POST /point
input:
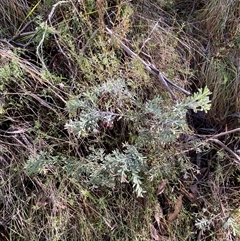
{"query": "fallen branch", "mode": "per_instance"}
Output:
(151, 68)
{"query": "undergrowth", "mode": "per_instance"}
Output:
(92, 146)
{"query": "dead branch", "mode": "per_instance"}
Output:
(237, 157)
(151, 68)
(226, 133)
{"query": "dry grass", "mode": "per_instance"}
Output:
(12, 15)
(69, 54)
(220, 23)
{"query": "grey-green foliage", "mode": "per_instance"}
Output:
(164, 123)
(97, 169)
(9, 72)
(199, 101)
(118, 100)
(155, 119)
(123, 167)
(117, 89)
(155, 123)
(43, 163)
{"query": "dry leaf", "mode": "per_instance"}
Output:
(154, 233)
(177, 209)
(191, 196)
(162, 186)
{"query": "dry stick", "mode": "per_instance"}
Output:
(39, 50)
(151, 68)
(50, 23)
(218, 135)
(226, 132)
(227, 149)
(213, 139)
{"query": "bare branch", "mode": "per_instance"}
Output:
(39, 50)
(237, 157)
(226, 133)
(219, 134)
(151, 68)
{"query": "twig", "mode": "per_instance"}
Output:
(213, 139)
(55, 37)
(39, 49)
(151, 68)
(218, 135)
(237, 157)
(226, 132)
(148, 38)
(176, 86)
